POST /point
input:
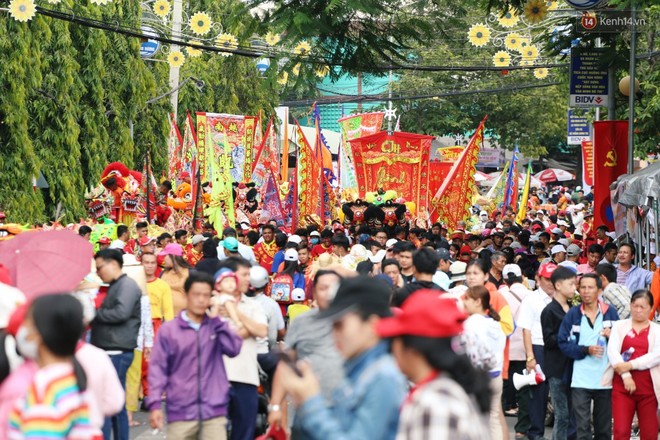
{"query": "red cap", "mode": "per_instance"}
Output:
(546, 270)
(17, 319)
(457, 234)
(104, 240)
(537, 227)
(424, 314)
(146, 240)
(465, 249)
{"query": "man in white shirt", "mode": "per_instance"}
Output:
(244, 250)
(242, 370)
(529, 319)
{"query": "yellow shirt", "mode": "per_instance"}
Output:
(295, 310)
(176, 281)
(160, 297)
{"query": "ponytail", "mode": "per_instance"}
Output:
(81, 377)
(492, 313)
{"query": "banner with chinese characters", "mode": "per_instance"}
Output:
(189, 164)
(453, 199)
(173, 150)
(353, 127)
(219, 158)
(309, 180)
(250, 130)
(398, 162)
(202, 151)
(588, 163)
(266, 160)
(439, 168)
(610, 161)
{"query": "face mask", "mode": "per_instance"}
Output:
(27, 349)
(315, 241)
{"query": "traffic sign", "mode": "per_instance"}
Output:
(589, 83)
(149, 47)
(578, 127)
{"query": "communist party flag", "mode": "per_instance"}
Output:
(454, 197)
(309, 176)
(610, 161)
(522, 211)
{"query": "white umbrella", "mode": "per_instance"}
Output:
(554, 175)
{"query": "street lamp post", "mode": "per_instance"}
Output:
(631, 89)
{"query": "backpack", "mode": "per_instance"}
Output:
(281, 288)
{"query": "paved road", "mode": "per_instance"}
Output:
(144, 432)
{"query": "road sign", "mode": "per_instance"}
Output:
(149, 47)
(589, 83)
(578, 127)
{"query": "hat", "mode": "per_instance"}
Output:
(104, 240)
(563, 242)
(444, 254)
(534, 238)
(377, 257)
(515, 245)
(184, 175)
(557, 231)
(197, 239)
(562, 223)
(364, 294)
(546, 270)
(224, 273)
(291, 255)
(424, 314)
(146, 240)
(315, 234)
(572, 265)
(573, 250)
(483, 213)
(10, 299)
(536, 227)
(298, 294)
(557, 249)
(578, 188)
(457, 235)
(172, 249)
(497, 232)
(457, 270)
(532, 212)
(485, 233)
(465, 249)
(391, 242)
(511, 269)
(230, 243)
(295, 239)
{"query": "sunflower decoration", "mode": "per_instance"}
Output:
(228, 42)
(303, 48)
(508, 19)
(296, 70)
(22, 10)
(193, 52)
(529, 55)
(322, 71)
(272, 38)
(535, 10)
(176, 58)
(512, 41)
(540, 73)
(501, 59)
(200, 23)
(552, 5)
(162, 8)
(479, 35)
(524, 43)
(284, 77)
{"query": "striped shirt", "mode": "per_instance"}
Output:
(53, 408)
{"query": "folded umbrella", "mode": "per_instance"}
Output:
(46, 262)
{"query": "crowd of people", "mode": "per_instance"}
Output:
(347, 331)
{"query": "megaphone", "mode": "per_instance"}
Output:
(527, 379)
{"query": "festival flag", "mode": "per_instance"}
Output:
(610, 160)
(173, 149)
(284, 173)
(511, 191)
(309, 175)
(522, 211)
(453, 199)
(202, 151)
(189, 164)
(149, 188)
(250, 125)
(266, 159)
(354, 127)
(271, 200)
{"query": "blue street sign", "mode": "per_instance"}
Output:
(589, 80)
(578, 128)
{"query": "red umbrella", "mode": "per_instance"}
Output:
(46, 262)
(554, 175)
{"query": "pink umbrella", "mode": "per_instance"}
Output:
(554, 175)
(46, 262)
(481, 177)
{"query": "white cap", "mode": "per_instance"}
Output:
(298, 294)
(563, 242)
(391, 242)
(557, 231)
(291, 255)
(359, 251)
(511, 269)
(578, 188)
(315, 234)
(295, 239)
(579, 206)
(562, 223)
(557, 248)
(377, 257)
(570, 264)
(197, 239)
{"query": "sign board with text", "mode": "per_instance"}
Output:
(589, 84)
(578, 127)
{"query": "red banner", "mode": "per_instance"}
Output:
(309, 180)
(452, 201)
(610, 161)
(439, 169)
(397, 162)
(588, 162)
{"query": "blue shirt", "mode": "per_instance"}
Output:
(365, 406)
(636, 278)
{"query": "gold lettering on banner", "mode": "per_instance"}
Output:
(611, 158)
(383, 178)
(390, 146)
(402, 158)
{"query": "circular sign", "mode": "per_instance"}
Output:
(588, 21)
(149, 47)
(586, 4)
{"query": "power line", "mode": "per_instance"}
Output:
(383, 97)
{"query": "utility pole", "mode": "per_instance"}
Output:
(177, 16)
(631, 92)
